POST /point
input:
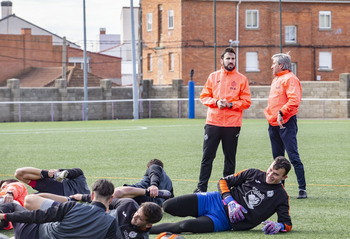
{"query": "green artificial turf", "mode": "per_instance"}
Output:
(120, 149)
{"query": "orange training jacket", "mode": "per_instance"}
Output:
(285, 95)
(229, 85)
(18, 189)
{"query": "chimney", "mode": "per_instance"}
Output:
(6, 8)
(26, 31)
(102, 31)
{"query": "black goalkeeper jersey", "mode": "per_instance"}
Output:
(262, 200)
(124, 209)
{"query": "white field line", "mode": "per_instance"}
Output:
(84, 130)
(69, 130)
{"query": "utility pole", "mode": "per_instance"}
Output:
(281, 26)
(86, 107)
(214, 35)
(140, 58)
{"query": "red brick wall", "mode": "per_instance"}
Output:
(198, 35)
(100, 65)
(18, 52)
(195, 39)
(170, 41)
(310, 40)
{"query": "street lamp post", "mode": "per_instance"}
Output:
(135, 84)
(86, 108)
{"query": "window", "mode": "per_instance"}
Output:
(325, 61)
(252, 63)
(79, 62)
(325, 20)
(149, 62)
(171, 61)
(291, 34)
(171, 19)
(149, 22)
(252, 18)
(294, 68)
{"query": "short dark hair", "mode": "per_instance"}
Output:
(282, 162)
(228, 49)
(152, 211)
(103, 188)
(155, 161)
(8, 181)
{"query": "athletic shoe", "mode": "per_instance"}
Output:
(60, 176)
(197, 190)
(164, 194)
(302, 194)
(168, 235)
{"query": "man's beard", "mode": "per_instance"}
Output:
(229, 69)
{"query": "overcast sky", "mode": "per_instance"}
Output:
(65, 17)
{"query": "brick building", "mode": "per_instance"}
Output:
(178, 35)
(38, 62)
(34, 55)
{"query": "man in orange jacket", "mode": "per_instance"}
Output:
(281, 111)
(227, 94)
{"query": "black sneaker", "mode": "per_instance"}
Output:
(302, 194)
(164, 194)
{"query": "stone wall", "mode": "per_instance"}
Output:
(320, 100)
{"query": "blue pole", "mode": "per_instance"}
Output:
(191, 97)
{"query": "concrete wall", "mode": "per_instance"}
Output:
(63, 110)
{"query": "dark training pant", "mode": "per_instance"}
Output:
(212, 137)
(286, 140)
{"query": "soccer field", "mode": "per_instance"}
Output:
(119, 150)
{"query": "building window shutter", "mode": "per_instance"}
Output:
(325, 20)
(325, 61)
(149, 22)
(171, 19)
(252, 63)
(290, 34)
(252, 18)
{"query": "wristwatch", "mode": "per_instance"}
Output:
(230, 105)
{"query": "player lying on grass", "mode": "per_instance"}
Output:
(133, 220)
(243, 201)
(155, 186)
(12, 190)
(57, 181)
(67, 220)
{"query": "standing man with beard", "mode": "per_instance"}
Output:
(227, 94)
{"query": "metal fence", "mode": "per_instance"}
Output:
(323, 107)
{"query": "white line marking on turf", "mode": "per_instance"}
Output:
(70, 130)
(87, 130)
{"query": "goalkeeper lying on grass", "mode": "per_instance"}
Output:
(244, 200)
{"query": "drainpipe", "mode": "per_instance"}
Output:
(237, 33)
